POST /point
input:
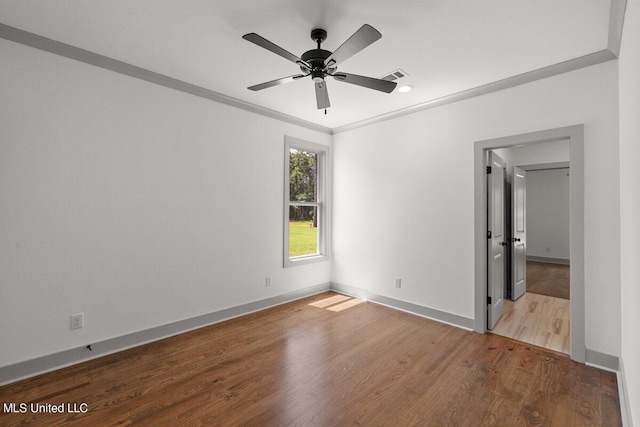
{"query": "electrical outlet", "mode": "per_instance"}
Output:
(398, 282)
(77, 321)
(267, 281)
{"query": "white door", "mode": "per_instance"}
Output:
(496, 239)
(518, 233)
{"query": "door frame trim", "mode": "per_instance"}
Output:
(575, 136)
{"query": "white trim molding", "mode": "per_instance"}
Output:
(603, 361)
(623, 397)
(408, 307)
(575, 136)
(616, 22)
(68, 51)
(52, 362)
(562, 261)
(323, 201)
(509, 82)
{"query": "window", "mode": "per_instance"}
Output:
(305, 210)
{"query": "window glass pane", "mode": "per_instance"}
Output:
(303, 230)
(302, 176)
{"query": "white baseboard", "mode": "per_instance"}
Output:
(623, 396)
(602, 361)
(594, 358)
(562, 261)
(419, 310)
(41, 365)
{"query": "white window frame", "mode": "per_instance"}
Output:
(323, 185)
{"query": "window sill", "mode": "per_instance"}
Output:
(292, 262)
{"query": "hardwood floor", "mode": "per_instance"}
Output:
(536, 319)
(315, 362)
(548, 279)
(541, 316)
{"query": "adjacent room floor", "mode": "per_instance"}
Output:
(545, 278)
(326, 360)
(541, 316)
(536, 319)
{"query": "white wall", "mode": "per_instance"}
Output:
(403, 195)
(548, 213)
(630, 201)
(547, 196)
(134, 204)
(536, 156)
(541, 154)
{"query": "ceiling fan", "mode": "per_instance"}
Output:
(319, 63)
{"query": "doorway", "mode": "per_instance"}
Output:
(536, 306)
(575, 137)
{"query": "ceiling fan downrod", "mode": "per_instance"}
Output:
(318, 35)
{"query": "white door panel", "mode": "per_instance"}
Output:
(496, 239)
(519, 233)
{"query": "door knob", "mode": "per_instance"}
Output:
(504, 243)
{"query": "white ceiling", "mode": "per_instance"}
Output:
(445, 46)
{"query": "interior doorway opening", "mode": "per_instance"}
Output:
(537, 216)
(574, 136)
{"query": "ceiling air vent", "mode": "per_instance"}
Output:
(394, 75)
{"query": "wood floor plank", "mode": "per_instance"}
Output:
(537, 319)
(549, 279)
(303, 364)
(514, 385)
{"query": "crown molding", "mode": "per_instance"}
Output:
(509, 82)
(616, 22)
(58, 48)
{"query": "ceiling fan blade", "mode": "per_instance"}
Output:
(276, 82)
(270, 46)
(377, 84)
(322, 96)
(362, 38)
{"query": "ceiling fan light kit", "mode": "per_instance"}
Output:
(320, 63)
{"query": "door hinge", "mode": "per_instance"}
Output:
(489, 234)
(488, 169)
(489, 300)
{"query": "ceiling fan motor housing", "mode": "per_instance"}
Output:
(316, 57)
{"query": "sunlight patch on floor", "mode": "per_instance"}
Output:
(323, 303)
(337, 303)
(347, 304)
